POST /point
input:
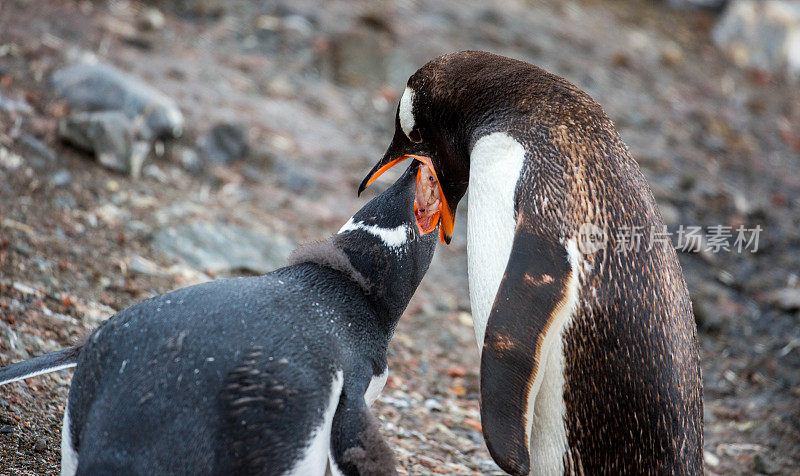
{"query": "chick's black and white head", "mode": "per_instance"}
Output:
(384, 243)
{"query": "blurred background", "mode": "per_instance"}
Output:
(146, 146)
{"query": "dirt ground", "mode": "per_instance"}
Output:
(316, 89)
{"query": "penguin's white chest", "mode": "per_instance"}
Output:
(315, 457)
(495, 167)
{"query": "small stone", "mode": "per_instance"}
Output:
(151, 19)
(293, 179)
(144, 266)
(282, 87)
(400, 403)
(298, 24)
(710, 459)
(9, 160)
(109, 135)
(25, 289)
(40, 446)
(763, 35)
(787, 299)
(764, 465)
(473, 423)
(458, 390)
(154, 171)
(23, 249)
(62, 178)
(139, 151)
(206, 8)
(33, 146)
(268, 22)
(187, 157)
(225, 143)
(671, 54)
(709, 301)
(14, 105)
(456, 371)
(698, 4)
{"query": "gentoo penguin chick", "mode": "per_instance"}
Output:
(263, 375)
(589, 360)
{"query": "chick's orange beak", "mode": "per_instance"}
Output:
(444, 217)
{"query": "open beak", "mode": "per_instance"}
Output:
(445, 217)
(427, 200)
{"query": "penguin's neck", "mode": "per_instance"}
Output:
(385, 257)
(495, 166)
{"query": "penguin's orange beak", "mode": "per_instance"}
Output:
(427, 218)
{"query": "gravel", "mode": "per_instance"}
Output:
(718, 143)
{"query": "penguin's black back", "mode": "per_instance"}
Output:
(222, 377)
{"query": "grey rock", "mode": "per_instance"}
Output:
(787, 299)
(219, 247)
(698, 4)
(401, 402)
(40, 446)
(14, 105)
(23, 249)
(151, 19)
(764, 465)
(709, 458)
(202, 8)
(291, 24)
(62, 178)
(95, 86)
(109, 132)
(139, 151)
(293, 178)
(12, 342)
(34, 147)
(761, 34)
(6, 429)
(708, 299)
(709, 318)
(433, 405)
(187, 157)
(141, 265)
(225, 143)
(110, 135)
(298, 24)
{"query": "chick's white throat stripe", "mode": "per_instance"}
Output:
(393, 237)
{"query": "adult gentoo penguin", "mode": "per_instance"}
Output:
(589, 360)
(264, 375)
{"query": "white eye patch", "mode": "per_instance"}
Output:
(406, 113)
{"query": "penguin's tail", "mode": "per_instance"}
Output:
(62, 359)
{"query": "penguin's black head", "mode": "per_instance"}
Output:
(447, 105)
(384, 243)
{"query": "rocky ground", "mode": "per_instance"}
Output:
(286, 105)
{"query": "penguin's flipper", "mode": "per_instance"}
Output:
(62, 359)
(537, 293)
(357, 447)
